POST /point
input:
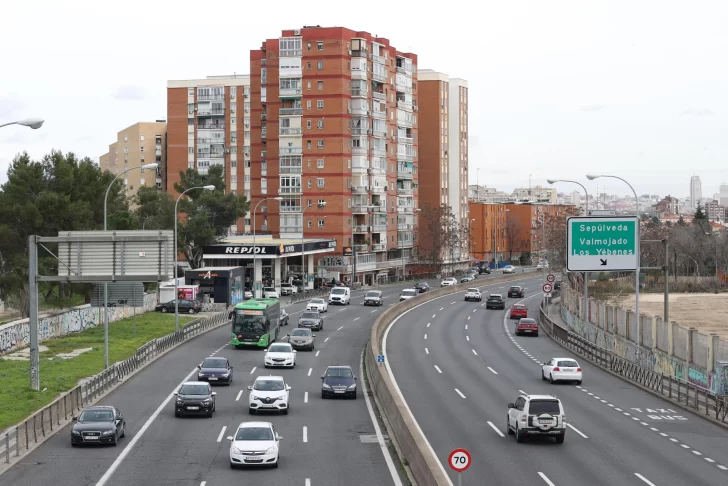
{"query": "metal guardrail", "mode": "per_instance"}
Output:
(678, 391)
(17, 440)
(309, 294)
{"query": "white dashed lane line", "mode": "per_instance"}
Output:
(546, 479)
(339, 329)
(433, 315)
(459, 393)
(438, 369)
(309, 371)
(474, 352)
(327, 339)
(253, 370)
(576, 430)
(425, 336)
(428, 324)
(467, 338)
(497, 431)
(222, 433)
(644, 479)
(305, 397)
(427, 351)
(492, 370)
(317, 353)
(305, 433)
(240, 393)
(356, 318)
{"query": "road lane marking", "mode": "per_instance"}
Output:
(673, 439)
(442, 308)
(618, 409)
(305, 397)
(433, 315)
(428, 324)
(240, 393)
(459, 393)
(697, 453)
(317, 353)
(222, 433)
(547, 480)
(305, 433)
(309, 371)
(475, 310)
(709, 459)
(496, 429)
(203, 483)
(644, 479)
(253, 370)
(466, 326)
(327, 338)
(576, 430)
(723, 467)
(685, 446)
(468, 317)
(339, 329)
(492, 370)
(451, 303)
(425, 336)
(375, 310)
(474, 352)
(438, 369)
(663, 434)
(356, 319)
(427, 351)
(308, 481)
(467, 338)
(654, 429)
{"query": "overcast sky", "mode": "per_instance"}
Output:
(635, 88)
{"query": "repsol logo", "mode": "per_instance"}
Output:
(245, 250)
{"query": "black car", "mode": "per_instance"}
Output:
(495, 301)
(194, 398)
(302, 338)
(284, 317)
(557, 285)
(216, 370)
(422, 287)
(98, 425)
(185, 306)
(516, 291)
(338, 381)
(374, 297)
(311, 320)
(485, 270)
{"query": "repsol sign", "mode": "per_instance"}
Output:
(246, 250)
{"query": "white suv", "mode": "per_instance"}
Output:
(288, 289)
(270, 394)
(536, 415)
(448, 281)
(270, 293)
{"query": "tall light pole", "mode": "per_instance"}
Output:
(591, 177)
(176, 296)
(106, 285)
(303, 258)
(255, 256)
(586, 210)
(34, 123)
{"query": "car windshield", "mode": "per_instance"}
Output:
(309, 315)
(515, 288)
(254, 433)
(268, 289)
(568, 363)
(527, 321)
(519, 306)
(194, 390)
(409, 292)
(214, 363)
(286, 285)
(537, 407)
(495, 296)
(339, 372)
(247, 323)
(268, 385)
(96, 416)
(473, 290)
(422, 284)
(279, 348)
(373, 294)
(317, 301)
(301, 332)
(338, 291)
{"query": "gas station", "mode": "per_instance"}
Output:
(268, 261)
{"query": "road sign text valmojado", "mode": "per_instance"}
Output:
(609, 239)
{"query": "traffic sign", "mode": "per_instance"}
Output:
(380, 358)
(459, 460)
(602, 244)
(551, 278)
(547, 288)
(602, 212)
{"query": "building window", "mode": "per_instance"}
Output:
(141, 138)
(233, 91)
(349, 202)
(319, 182)
(308, 184)
(320, 104)
(308, 85)
(320, 223)
(319, 65)
(308, 45)
(308, 124)
(320, 45)
(308, 104)
(320, 124)
(320, 144)
(308, 144)
(320, 85)
(320, 164)
(190, 150)
(141, 159)
(321, 202)
(308, 66)
(190, 91)
(310, 223)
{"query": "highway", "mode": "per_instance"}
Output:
(458, 365)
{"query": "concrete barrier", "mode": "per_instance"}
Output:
(423, 463)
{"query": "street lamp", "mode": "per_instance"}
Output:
(303, 258)
(255, 209)
(36, 124)
(591, 177)
(586, 210)
(176, 296)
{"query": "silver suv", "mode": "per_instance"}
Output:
(536, 415)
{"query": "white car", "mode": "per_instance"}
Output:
(288, 289)
(473, 294)
(407, 294)
(340, 295)
(542, 265)
(536, 415)
(270, 293)
(270, 394)
(248, 294)
(561, 369)
(254, 444)
(509, 269)
(280, 354)
(448, 281)
(319, 305)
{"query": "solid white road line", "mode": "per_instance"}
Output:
(427, 351)
(317, 353)
(521, 391)
(492, 370)
(115, 465)
(723, 467)
(203, 483)
(459, 393)
(576, 430)
(253, 370)
(466, 326)
(240, 393)
(377, 430)
(375, 310)
(468, 317)
(496, 429)
(305, 433)
(339, 329)
(308, 481)
(442, 308)
(222, 433)
(327, 339)
(309, 371)
(305, 397)
(547, 480)
(644, 479)
(474, 352)
(475, 310)
(438, 369)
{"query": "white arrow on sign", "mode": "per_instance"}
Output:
(547, 288)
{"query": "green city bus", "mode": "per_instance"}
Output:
(255, 322)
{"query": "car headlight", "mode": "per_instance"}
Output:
(108, 432)
(206, 401)
(75, 432)
(271, 450)
(180, 401)
(253, 397)
(226, 374)
(326, 386)
(235, 450)
(352, 386)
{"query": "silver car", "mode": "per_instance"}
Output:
(302, 338)
(509, 269)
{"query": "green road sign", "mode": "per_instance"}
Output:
(602, 244)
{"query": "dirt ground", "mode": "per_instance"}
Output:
(705, 312)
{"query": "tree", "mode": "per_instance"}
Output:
(700, 219)
(516, 236)
(433, 234)
(154, 208)
(555, 235)
(209, 214)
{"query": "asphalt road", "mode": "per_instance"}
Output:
(339, 442)
(458, 365)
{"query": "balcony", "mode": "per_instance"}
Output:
(359, 110)
(291, 209)
(210, 155)
(359, 131)
(212, 97)
(290, 169)
(360, 248)
(406, 209)
(359, 151)
(361, 229)
(264, 134)
(379, 152)
(382, 78)
(216, 112)
(291, 150)
(406, 157)
(360, 189)
(408, 140)
(263, 117)
(379, 59)
(291, 229)
(218, 126)
(379, 247)
(359, 53)
(290, 92)
(403, 121)
(380, 115)
(379, 96)
(379, 227)
(405, 243)
(289, 132)
(361, 209)
(290, 112)
(404, 105)
(290, 190)
(379, 133)
(403, 70)
(375, 169)
(405, 173)
(378, 189)
(290, 52)
(403, 191)
(404, 89)
(405, 226)
(359, 92)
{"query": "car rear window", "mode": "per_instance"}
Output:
(409, 292)
(496, 296)
(528, 321)
(515, 288)
(373, 294)
(537, 407)
(569, 363)
(472, 290)
(519, 306)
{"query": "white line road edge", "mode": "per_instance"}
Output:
(377, 430)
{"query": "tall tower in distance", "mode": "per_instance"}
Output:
(696, 191)
(723, 194)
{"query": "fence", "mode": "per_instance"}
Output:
(690, 395)
(21, 438)
(309, 294)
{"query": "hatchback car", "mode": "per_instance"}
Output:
(495, 301)
(338, 381)
(374, 297)
(185, 306)
(536, 415)
(280, 355)
(254, 444)
(516, 291)
(527, 326)
(215, 370)
(422, 287)
(194, 398)
(312, 320)
(302, 338)
(467, 278)
(269, 394)
(519, 311)
(561, 369)
(509, 269)
(448, 281)
(407, 294)
(318, 305)
(473, 294)
(98, 425)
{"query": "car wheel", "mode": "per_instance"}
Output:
(323, 396)
(177, 414)
(578, 382)
(551, 379)
(353, 397)
(285, 412)
(275, 464)
(209, 414)
(116, 440)
(123, 431)
(265, 366)
(543, 377)
(560, 439)
(508, 426)
(73, 444)
(519, 436)
(251, 411)
(164, 310)
(232, 466)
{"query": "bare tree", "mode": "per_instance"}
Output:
(436, 233)
(555, 236)
(513, 239)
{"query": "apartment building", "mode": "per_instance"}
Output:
(443, 160)
(715, 211)
(334, 134)
(208, 123)
(139, 144)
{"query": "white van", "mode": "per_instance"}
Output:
(340, 295)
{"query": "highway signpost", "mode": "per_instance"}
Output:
(459, 461)
(547, 288)
(380, 359)
(550, 279)
(602, 244)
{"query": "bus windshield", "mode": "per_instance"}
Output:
(244, 323)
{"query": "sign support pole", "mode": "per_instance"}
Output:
(460, 479)
(33, 315)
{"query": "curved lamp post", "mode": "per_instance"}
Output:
(34, 123)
